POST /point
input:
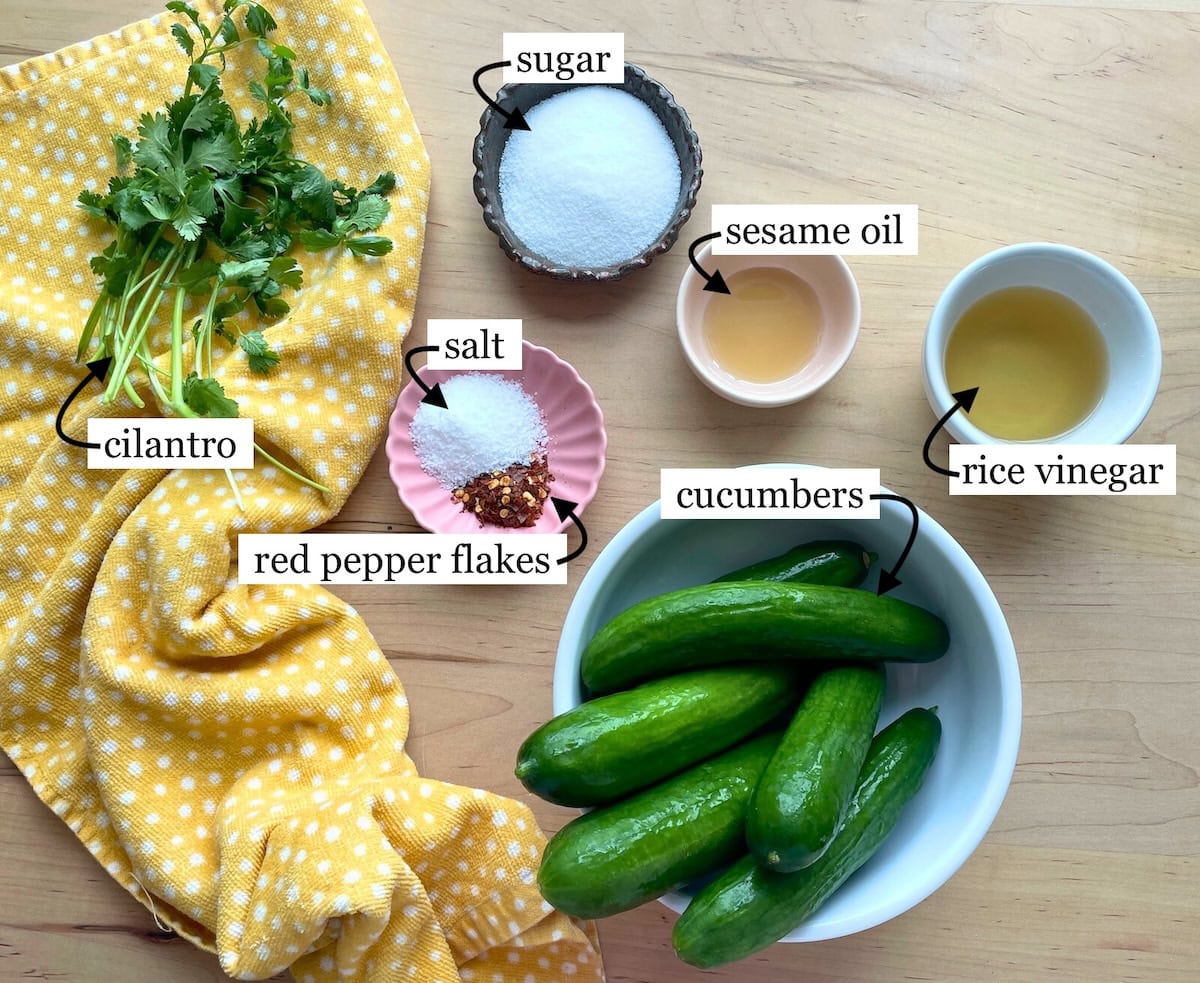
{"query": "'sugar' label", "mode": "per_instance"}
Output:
(769, 493)
(1062, 469)
(564, 57)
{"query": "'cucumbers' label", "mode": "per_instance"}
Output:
(401, 558)
(815, 230)
(769, 493)
(142, 442)
(1063, 469)
(479, 343)
(564, 57)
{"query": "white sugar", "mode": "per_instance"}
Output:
(594, 181)
(488, 424)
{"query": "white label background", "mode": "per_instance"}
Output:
(338, 546)
(1029, 456)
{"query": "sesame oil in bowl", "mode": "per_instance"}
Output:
(766, 328)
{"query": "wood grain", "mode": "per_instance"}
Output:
(1004, 122)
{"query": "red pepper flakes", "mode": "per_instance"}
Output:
(513, 498)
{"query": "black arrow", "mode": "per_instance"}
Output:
(887, 578)
(566, 510)
(433, 395)
(512, 121)
(964, 398)
(96, 370)
(714, 283)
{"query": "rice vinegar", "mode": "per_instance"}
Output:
(1038, 358)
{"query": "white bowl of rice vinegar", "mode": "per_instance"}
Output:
(1060, 344)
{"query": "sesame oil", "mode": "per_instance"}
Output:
(766, 328)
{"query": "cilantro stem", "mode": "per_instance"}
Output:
(204, 335)
(177, 347)
(131, 337)
(295, 474)
(237, 493)
(132, 287)
(89, 327)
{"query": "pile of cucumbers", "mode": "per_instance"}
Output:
(732, 728)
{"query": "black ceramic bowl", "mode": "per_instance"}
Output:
(489, 146)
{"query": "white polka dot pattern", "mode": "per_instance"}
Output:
(234, 756)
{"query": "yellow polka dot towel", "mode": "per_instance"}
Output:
(234, 756)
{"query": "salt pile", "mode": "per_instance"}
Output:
(594, 181)
(488, 424)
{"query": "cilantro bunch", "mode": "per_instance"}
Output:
(202, 206)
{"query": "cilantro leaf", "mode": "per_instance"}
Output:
(370, 245)
(123, 150)
(200, 195)
(244, 273)
(217, 152)
(195, 278)
(200, 112)
(317, 240)
(153, 150)
(203, 75)
(183, 38)
(313, 192)
(383, 184)
(272, 306)
(186, 9)
(187, 221)
(258, 353)
(229, 32)
(206, 397)
(93, 204)
(258, 21)
(368, 214)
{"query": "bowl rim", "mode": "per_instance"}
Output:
(690, 283)
(937, 331)
(984, 809)
(518, 252)
(398, 436)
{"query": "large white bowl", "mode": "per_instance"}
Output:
(976, 686)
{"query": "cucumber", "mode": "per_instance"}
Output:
(603, 750)
(837, 562)
(749, 907)
(755, 620)
(626, 854)
(803, 794)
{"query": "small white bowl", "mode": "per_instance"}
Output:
(1112, 302)
(837, 294)
(976, 686)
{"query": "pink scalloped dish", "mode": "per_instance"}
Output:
(574, 446)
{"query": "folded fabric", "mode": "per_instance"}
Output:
(234, 756)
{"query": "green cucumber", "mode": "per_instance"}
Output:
(749, 907)
(757, 621)
(837, 562)
(803, 794)
(602, 750)
(621, 856)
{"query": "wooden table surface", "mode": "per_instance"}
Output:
(1005, 122)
